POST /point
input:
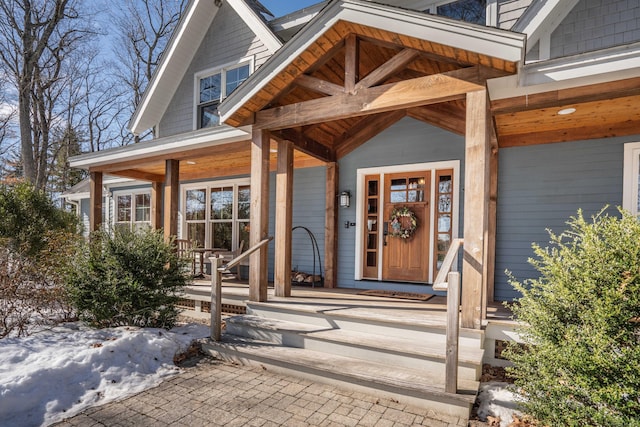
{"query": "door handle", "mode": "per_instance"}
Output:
(385, 232)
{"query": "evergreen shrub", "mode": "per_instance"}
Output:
(128, 278)
(580, 364)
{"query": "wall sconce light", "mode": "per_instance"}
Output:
(345, 199)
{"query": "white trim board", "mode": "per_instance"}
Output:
(631, 171)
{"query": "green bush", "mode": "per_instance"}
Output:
(580, 364)
(128, 278)
(28, 217)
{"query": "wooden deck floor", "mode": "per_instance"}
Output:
(351, 300)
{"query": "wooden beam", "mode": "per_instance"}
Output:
(259, 216)
(476, 204)
(95, 201)
(331, 227)
(351, 63)
(365, 129)
(156, 205)
(233, 147)
(141, 175)
(305, 144)
(318, 85)
(284, 219)
(386, 70)
(586, 131)
(394, 96)
(171, 190)
(442, 115)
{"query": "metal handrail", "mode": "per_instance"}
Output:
(452, 287)
(216, 286)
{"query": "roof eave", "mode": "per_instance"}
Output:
(175, 61)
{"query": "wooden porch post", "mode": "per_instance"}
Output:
(95, 201)
(284, 219)
(171, 186)
(331, 227)
(156, 205)
(476, 207)
(259, 213)
(490, 247)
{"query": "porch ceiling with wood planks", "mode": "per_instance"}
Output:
(215, 162)
(602, 110)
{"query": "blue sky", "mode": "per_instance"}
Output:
(282, 7)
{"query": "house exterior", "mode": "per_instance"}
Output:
(491, 131)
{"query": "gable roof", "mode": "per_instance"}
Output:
(492, 44)
(179, 53)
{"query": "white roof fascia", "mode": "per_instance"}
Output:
(542, 17)
(490, 41)
(179, 53)
(256, 24)
(201, 138)
(296, 19)
(606, 65)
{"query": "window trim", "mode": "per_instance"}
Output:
(208, 221)
(631, 172)
(133, 193)
(248, 60)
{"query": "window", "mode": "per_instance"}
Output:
(474, 11)
(212, 87)
(631, 173)
(217, 214)
(132, 210)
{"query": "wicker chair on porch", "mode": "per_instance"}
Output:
(184, 249)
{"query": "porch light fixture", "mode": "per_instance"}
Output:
(345, 199)
(191, 162)
(566, 111)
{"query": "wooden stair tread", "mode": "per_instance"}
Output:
(360, 313)
(370, 374)
(359, 339)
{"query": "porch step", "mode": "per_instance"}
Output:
(424, 356)
(405, 385)
(389, 323)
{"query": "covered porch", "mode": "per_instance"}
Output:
(352, 73)
(343, 80)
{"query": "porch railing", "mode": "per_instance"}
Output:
(452, 287)
(216, 286)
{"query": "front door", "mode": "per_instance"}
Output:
(405, 250)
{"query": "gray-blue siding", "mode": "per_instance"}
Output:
(597, 24)
(408, 141)
(541, 187)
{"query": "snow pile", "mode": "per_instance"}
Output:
(57, 373)
(496, 400)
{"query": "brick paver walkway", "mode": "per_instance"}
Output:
(215, 393)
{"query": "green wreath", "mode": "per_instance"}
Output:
(396, 223)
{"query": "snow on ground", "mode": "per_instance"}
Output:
(57, 373)
(496, 400)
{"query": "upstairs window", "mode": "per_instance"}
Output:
(212, 87)
(473, 11)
